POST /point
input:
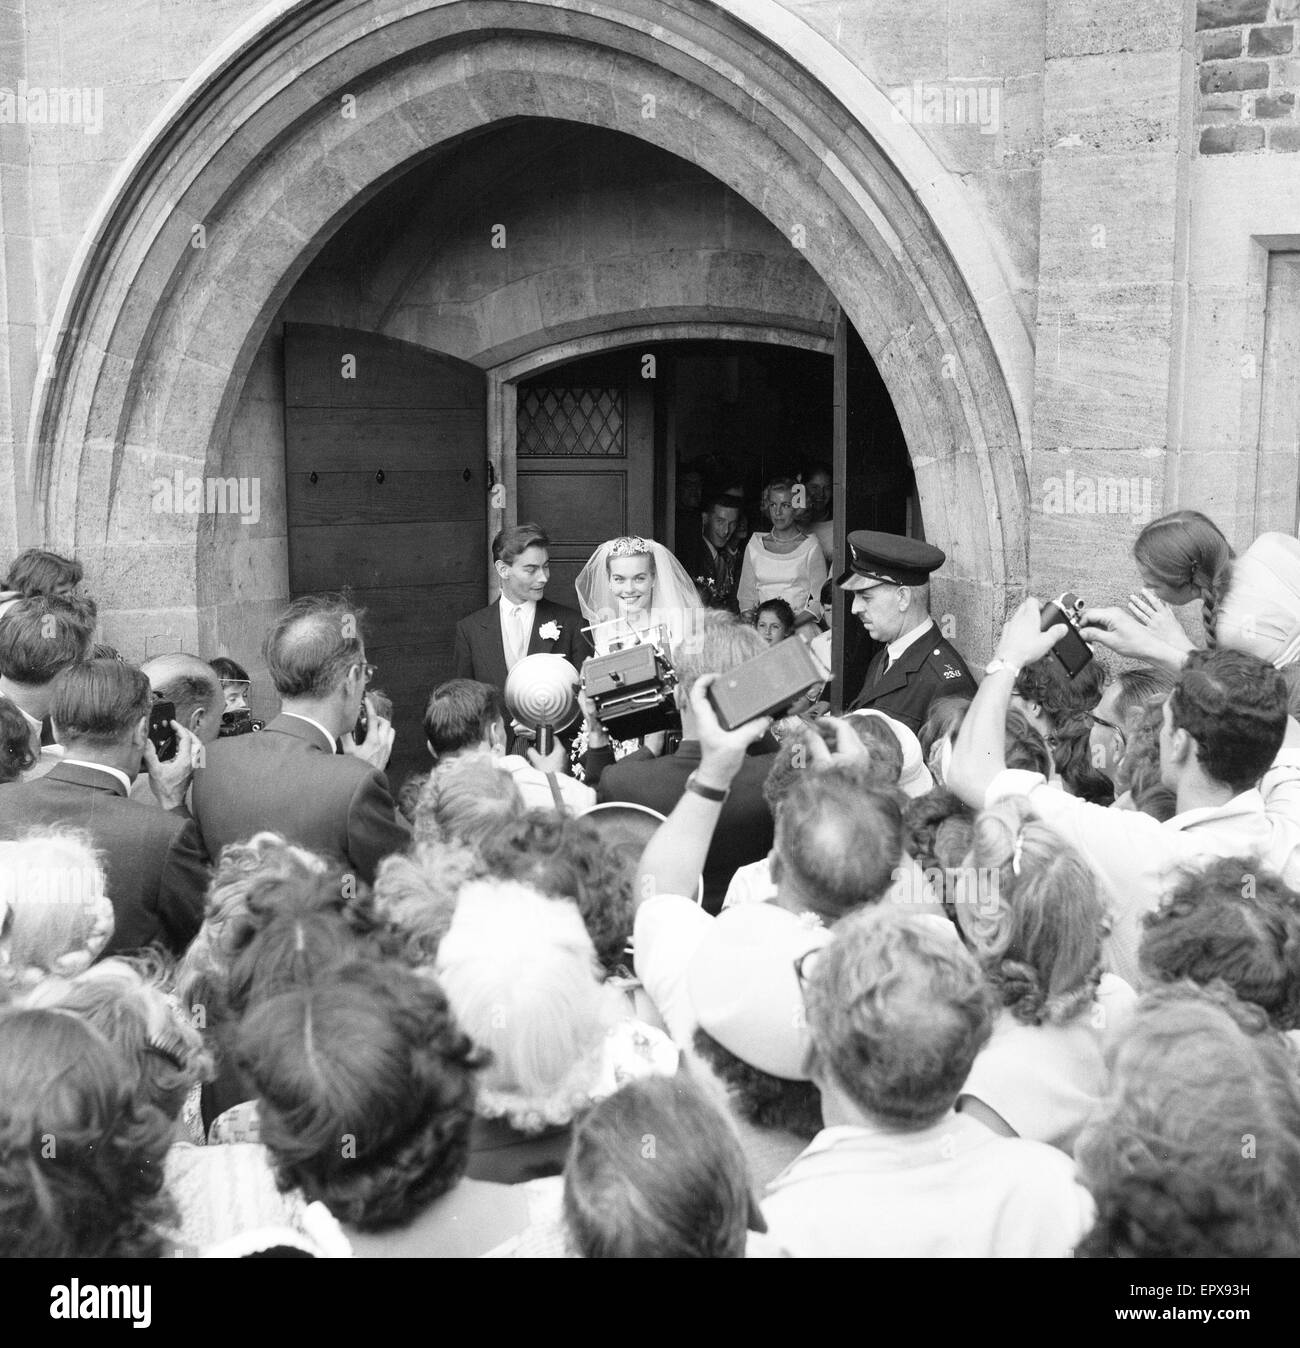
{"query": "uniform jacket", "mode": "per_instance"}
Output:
(929, 668)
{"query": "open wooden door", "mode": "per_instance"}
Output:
(386, 467)
(874, 488)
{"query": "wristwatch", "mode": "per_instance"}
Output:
(994, 665)
(712, 793)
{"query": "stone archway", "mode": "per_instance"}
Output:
(315, 107)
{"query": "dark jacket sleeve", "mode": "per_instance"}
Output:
(182, 887)
(463, 660)
(375, 829)
(594, 763)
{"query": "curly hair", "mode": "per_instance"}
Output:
(1047, 684)
(126, 1000)
(416, 891)
(254, 882)
(16, 753)
(55, 917)
(897, 1012)
(939, 827)
(1039, 940)
(1234, 706)
(81, 1155)
(1025, 747)
(1139, 770)
(366, 1090)
(1187, 550)
(1072, 755)
(1196, 1153)
(683, 1195)
(760, 1098)
(466, 799)
(565, 858)
(1233, 922)
(942, 722)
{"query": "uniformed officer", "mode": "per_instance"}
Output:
(890, 579)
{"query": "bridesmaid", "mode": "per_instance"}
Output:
(784, 563)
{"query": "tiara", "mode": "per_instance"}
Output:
(629, 547)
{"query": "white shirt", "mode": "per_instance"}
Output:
(536, 791)
(900, 644)
(953, 1190)
(1046, 1080)
(102, 767)
(330, 739)
(1137, 858)
(528, 612)
(666, 934)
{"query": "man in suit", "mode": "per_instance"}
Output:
(889, 577)
(193, 688)
(492, 640)
(744, 831)
(710, 555)
(304, 776)
(156, 870)
(40, 637)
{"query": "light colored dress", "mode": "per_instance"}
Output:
(1046, 1080)
(797, 577)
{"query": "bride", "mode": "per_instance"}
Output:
(632, 587)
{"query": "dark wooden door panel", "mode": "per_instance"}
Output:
(410, 549)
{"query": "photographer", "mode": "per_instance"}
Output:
(744, 832)
(1223, 728)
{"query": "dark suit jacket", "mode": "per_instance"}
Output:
(929, 668)
(744, 831)
(481, 654)
(693, 553)
(156, 869)
(289, 779)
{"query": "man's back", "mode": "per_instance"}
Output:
(953, 1190)
(156, 871)
(286, 779)
(745, 827)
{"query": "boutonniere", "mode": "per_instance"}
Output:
(549, 631)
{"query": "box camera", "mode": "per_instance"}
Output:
(767, 684)
(238, 723)
(633, 691)
(1072, 651)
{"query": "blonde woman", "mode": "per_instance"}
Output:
(784, 563)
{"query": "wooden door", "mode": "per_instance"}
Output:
(386, 466)
(584, 469)
(874, 488)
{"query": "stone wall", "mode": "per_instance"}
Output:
(1248, 67)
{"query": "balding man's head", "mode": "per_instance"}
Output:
(839, 839)
(193, 686)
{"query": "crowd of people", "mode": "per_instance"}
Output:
(994, 967)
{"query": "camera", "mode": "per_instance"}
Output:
(767, 684)
(633, 690)
(238, 723)
(1072, 651)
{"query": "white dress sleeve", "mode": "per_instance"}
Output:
(747, 592)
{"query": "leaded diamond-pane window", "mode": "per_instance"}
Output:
(572, 421)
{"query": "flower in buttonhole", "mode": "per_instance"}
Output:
(549, 631)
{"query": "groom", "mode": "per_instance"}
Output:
(491, 641)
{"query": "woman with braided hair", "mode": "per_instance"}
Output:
(1182, 557)
(1035, 921)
